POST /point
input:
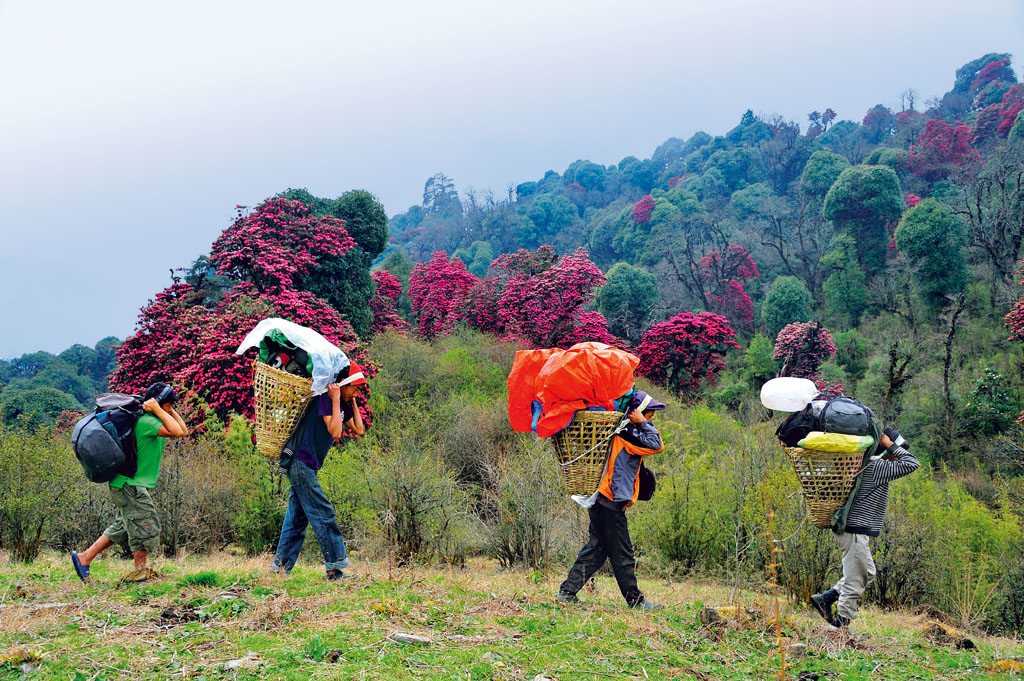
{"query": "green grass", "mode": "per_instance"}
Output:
(484, 624)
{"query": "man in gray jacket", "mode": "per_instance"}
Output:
(867, 513)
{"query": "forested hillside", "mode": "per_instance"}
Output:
(879, 258)
(899, 232)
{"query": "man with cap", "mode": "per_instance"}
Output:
(618, 490)
(326, 419)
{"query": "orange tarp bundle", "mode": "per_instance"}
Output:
(564, 382)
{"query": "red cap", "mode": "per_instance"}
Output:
(355, 376)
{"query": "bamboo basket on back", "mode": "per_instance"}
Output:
(582, 449)
(826, 478)
(279, 402)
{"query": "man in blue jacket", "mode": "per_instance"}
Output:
(618, 490)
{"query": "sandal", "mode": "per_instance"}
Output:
(81, 570)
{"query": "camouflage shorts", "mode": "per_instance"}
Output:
(136, 520)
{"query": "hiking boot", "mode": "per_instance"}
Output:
(140, 575)
(646, 606)
(840, 622)
(566, 597)
(337, 575)
(823, 603)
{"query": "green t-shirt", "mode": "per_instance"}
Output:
(150, 447)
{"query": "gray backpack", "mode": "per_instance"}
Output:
(104, 439)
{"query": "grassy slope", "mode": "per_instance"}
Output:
(484, 624)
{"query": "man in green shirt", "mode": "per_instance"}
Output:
(137, 521)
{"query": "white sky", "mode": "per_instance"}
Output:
(129, 131)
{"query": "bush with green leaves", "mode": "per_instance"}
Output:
(262, 493)
(32, 408)
(787, 301)
(933, 238)
(992, 407)
(39, 478)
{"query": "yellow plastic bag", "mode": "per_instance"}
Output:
(836, 442)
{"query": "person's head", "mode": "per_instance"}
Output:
(647, 405)
(351, 379)
(163, 393)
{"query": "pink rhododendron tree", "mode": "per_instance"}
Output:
(438, 290)
(480, 308)
(941, 148)
(591, 326)
(189, 339)
(277, 243)
(686, 352)
(912, 200)
(723, 273)
(803, 347)
(643, 209)
(193, 347)
(384, 303)
(543, 308)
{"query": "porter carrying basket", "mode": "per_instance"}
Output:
(582, 448)
(279, 402)
(827, 479)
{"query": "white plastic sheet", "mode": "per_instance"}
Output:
(327, 358)
(788, 393)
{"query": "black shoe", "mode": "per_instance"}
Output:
(335, 575)
(840, 622)
(566, 597)
(823, 603)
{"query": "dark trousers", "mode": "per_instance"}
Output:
(609, 540)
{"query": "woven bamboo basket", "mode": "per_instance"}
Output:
(279, 401)
(582, 448)
(827, 479)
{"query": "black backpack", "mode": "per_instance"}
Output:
(648, 483)
(796, 426)
(104, 439)
(848, 416)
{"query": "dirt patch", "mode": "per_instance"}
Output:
(497, 607)
(273, 613)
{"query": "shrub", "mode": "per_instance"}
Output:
(39, 477)
(261, 491)
(197, 495)
(529, 506)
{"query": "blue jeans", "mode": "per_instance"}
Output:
(308, 505)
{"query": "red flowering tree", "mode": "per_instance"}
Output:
(438, 290)
(591, 326)
(941, 148)
(192, 346)
(803, 347)
(188, 337)
(912, 200)
(723, 273)
(384, 303)
(277, 243)
(480, 308)
(686, 352)
(543, 309)
(643, 209)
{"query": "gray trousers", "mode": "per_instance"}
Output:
(858, 572)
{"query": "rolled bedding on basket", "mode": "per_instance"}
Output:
(327, 359)
(836, 442)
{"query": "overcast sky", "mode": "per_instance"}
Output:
(129, 130)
